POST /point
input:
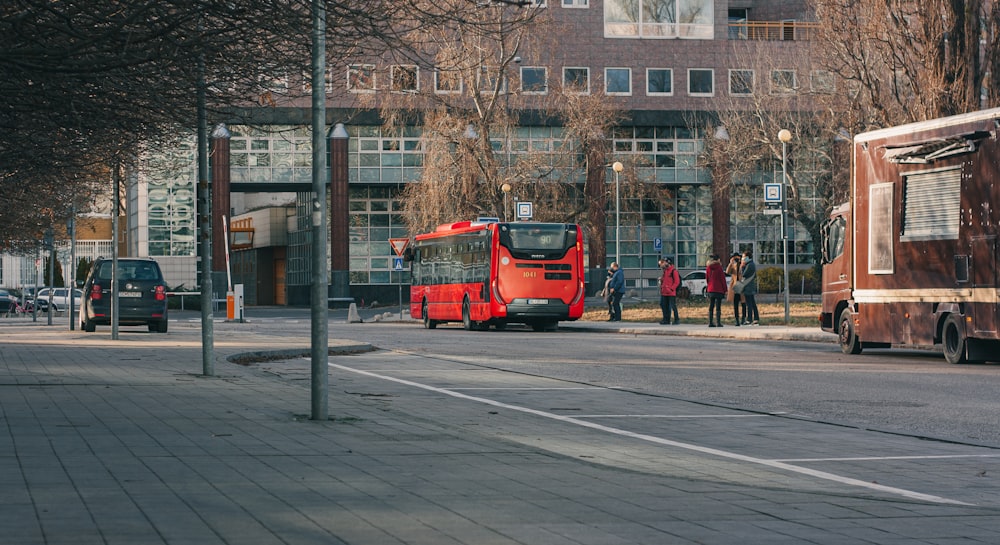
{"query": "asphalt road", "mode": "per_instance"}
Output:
(908, 392)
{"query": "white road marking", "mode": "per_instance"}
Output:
(523, 388)
(677, 416)
(668, 442)
(878, 458)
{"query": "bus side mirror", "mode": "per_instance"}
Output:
(408, 255)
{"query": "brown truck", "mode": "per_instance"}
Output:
(911, 259)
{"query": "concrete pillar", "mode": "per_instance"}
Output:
(219, 158)
(340, 257)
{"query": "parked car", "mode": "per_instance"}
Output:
(142, 295)
(8, 302)
(696, 284)
(60, 299)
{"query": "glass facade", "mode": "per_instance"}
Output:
(171, 177)
(276, 154)
(379, 166)
(375, 217)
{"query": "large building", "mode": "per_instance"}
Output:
(669, 63)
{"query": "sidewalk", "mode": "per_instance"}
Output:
(765, 332)
(126, 442)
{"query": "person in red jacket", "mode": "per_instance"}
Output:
(715, 277)
(669, 282)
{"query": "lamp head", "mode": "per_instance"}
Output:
(617, 167)
(785, 135)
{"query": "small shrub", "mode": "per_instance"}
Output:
(770, 280)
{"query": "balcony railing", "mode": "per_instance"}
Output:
(773, 30)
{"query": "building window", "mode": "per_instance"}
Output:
(534, 80)
(490, 80)
(577, 79)
(823, 81)
(783, 82)
(741, 82)
(404, 78)
(659, 19)
(307, 81)
(361, 78)
(701, 82)
(447, 81)
(618, 81)
(659, 81)
(575, 3)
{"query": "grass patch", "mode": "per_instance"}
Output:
(695, 311)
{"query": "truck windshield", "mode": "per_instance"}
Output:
(833, 238)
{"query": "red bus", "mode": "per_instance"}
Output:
(486, 274)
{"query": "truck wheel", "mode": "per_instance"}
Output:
(849, 342)
(428, 323)
(953, 341)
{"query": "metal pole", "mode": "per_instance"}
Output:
(618, 224)
(72, 268)
(320, 350)
(115, 275)
(204, 187)
(784, 219)
(51, 242)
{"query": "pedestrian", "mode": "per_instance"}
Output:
(670, 280)
(616, 287)
(606, 293)
(749, 273)
(715, 279)
(739, 304)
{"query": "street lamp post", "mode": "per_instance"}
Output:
(506, 190)
(785, 136)
(618, 167)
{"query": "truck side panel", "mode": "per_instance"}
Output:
(924, 226)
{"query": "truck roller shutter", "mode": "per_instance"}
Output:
(932, 204)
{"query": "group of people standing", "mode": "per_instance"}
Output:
(741, 290)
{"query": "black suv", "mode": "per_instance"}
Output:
(142, 294)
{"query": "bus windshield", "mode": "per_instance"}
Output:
(541, 240)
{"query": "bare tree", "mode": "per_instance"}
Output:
(905, 61)
(90, 84)
(769, 93)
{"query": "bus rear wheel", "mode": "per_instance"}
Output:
(466, 316)
(849, 341)
(428, 323)
(953, 339)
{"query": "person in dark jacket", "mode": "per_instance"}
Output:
(749, 272)
(670, 280)
(617, 289)
(733, 271)
(715, 278)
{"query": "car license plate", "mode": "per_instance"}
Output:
(538, 301)
(130, 294)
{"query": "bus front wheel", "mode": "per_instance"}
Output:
(849, 341)
(953, 340)
(428, 323)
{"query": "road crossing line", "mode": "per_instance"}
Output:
(823, 475)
